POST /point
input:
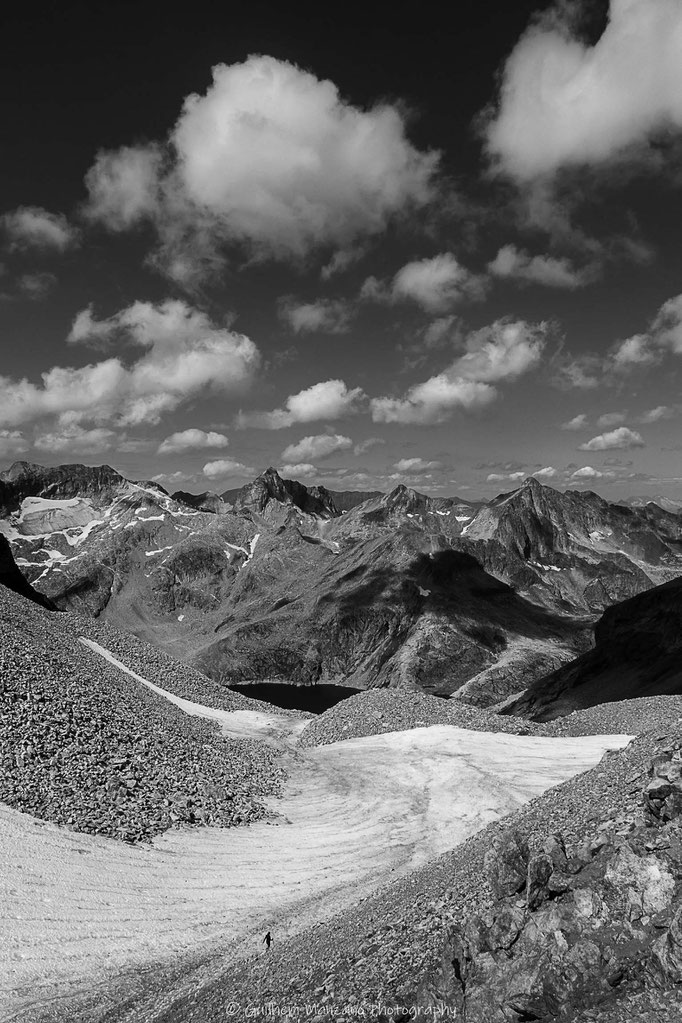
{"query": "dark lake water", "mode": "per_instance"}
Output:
(315, 699)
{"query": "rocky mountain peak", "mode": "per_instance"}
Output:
(270, 486)
(60, 482)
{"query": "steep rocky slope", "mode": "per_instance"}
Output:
(575, 550)
(637, 653)
(84, 745)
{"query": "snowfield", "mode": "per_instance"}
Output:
(78, 909)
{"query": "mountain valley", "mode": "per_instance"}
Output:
(478, 783)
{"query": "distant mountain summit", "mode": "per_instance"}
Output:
(270, 486)
(574, 549)
(61, 482)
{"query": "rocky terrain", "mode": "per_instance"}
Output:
(84, 746)
(387, 710)
(568, 910)
(636, 653)
(401, 590)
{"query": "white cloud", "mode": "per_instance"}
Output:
(72, 437)
(433, 401)
(365, 445)
(123, 186)
(516, 264)
(297, 470)
(328, 316)
(318, 446)
(577, 423)
(577, 372)
(12, 442)
(415, 465)
(654, 415)
(435, 284)
(32, 227)
(621, 438)
(503, 351)
(328, 400)
(272, 157)
(587, 472)
(667, 326)
(498, 477)
(438, 330)
(664, 334)
(192, 440)
(635, 352)
(226, 467)
(500, 352)
(341, 260)
(183, 355)
(609, 419)
(563, 102)
(548, 473)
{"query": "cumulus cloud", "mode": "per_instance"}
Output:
(226, 467)
(563, 102)
(515, 264)
(12, 442)
(72, 437)
(341, 260)
(328, 316)
(183, 354)
(663, 335)
(609, 419)
(298, 469)
(365, 445)
(621, 438)
(318, 446)
(634, 353)
(328, 400)
(666, 329)
(577, 423)
(415, 465)
(192, 440)
(271, 157)
(547, 473)
(498, 353)
(587, 472)
(436, 284)
(498, 477)
(577, 372)
(124, 186)
(32, 227)
(654, 415)
(433, 401)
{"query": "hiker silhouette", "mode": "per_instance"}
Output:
(267, 939)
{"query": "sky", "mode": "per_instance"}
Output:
(438, 249)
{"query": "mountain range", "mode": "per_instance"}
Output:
(282, 582)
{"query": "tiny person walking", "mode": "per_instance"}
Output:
(267, 940)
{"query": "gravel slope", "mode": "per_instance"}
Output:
(85, 746)
(387, 710)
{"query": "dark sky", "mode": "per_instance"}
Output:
(490, 278)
